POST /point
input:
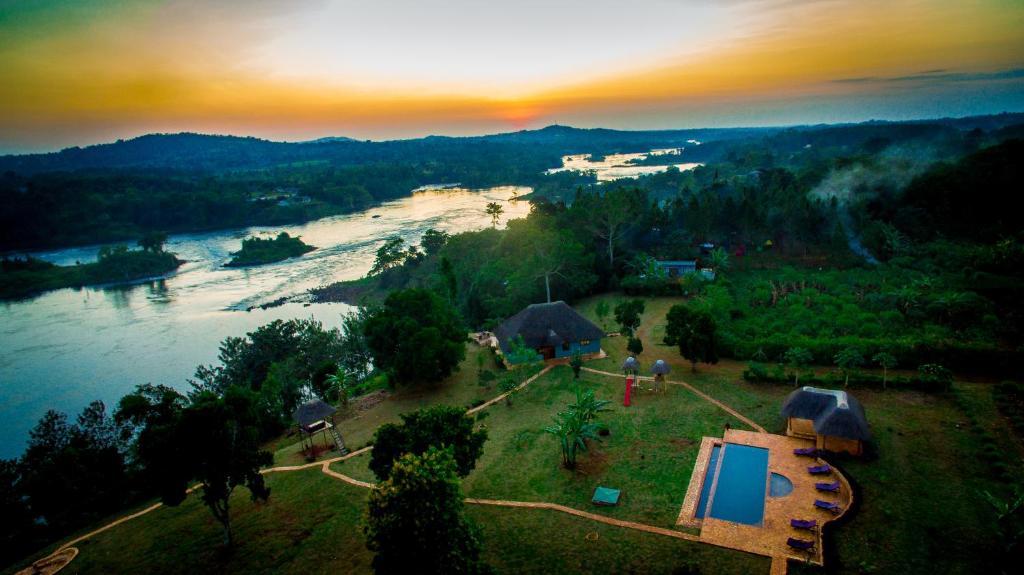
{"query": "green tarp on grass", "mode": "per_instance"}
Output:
(605, 496)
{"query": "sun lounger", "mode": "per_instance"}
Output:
(830, 487)
(800, 544)
(807, 524)
(827, 506)
(819, 469)
(808, 451)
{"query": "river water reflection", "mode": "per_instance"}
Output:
(65, 348)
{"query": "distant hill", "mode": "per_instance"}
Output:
(202, 152)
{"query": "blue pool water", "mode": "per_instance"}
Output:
(779, 485)
(739, 494)
(709, 479)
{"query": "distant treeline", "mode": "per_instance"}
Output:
(190, 182)
(948, 288)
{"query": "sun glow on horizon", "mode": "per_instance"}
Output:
(94, 70)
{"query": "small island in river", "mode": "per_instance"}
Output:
(256, 251)
(21, 277)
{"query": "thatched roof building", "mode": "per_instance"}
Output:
(553, 329)
(312, 412)
(834, 418)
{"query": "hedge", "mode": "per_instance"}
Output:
(958, 356)
(758, 372)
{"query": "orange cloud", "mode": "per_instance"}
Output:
(171, 67)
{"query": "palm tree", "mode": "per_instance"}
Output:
(718, 260)
(494, 210)
(337, 380)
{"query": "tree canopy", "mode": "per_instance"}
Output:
(440, 426)
(416, 335)
(694, 332)
(415, 520)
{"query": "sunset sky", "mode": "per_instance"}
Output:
(78, 72)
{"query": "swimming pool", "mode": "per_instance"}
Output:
(739, 491)
(779, 485)
(709, 479)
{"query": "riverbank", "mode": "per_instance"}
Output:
(21, 278)
(353, 292)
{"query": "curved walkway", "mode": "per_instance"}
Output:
(325, 465)
(700, 393)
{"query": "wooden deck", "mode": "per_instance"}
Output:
(768, 539)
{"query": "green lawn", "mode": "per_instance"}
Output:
(921, 510)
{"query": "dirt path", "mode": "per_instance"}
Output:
(510, 392)
(60, 558)
(699, 393)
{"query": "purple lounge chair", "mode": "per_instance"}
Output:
(806, 524)
(819, 469)
(808, 451)
(800, 544)
(830, 487)
(827, 505)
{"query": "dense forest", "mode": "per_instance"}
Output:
(188, 182)
(916, 256)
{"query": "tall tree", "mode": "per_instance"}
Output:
(540, 251)
(628, 314)
(390, 254)
(74, 473)
(416, 336)
(610, 216)
(693, 331)
(223, 450)
(214, 440)
(415, 520)
(494, 210)
(433, 240)
(438, 426)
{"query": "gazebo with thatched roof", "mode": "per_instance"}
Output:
(834, 419)
(659, 370)
(314, 416)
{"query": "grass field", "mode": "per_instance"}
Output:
(921, 507)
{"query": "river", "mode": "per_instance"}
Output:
(65, 348)
(619, 166)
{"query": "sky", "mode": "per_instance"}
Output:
(77, 72)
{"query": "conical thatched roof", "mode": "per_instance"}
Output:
(312, 412)
(660, 368)
(631, 364)
(546, 324)
(834, 412)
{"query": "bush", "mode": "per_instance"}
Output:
(635, 346)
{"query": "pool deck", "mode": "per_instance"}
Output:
(769, 539)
